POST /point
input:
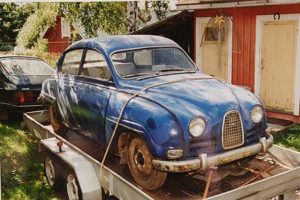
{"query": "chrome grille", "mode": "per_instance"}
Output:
(232, 133)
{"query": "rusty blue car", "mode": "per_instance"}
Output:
(143, 97)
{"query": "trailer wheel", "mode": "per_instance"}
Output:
(73, 190)
(140, 165)
(51, 172)
(3, 114)
(55, 120)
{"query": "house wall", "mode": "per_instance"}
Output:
(243, 41)
(56, 44)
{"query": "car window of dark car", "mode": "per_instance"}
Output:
(95, 66)
(72, 62)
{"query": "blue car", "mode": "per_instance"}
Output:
(144, 98)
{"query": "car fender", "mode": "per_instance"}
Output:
(48, 92)
(155, 124)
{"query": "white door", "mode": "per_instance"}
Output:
(277, 64)
(214, 47)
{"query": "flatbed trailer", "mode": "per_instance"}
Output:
(79, 157)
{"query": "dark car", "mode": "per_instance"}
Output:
(21, 79)
(163, 114)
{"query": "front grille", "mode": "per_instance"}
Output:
(232, 133)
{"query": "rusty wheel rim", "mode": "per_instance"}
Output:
(142, 158)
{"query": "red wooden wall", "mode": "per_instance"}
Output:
(56, 44)
(243, 38)
(244, 29)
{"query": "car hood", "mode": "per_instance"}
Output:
(200, 95)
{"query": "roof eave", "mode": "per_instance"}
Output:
(199, 6)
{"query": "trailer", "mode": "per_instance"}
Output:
(73, 163)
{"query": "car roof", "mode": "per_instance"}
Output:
(110, 44)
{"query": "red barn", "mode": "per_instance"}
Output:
(59, 35)
(253, 43)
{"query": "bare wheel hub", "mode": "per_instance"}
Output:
(50, 171)
(142, 162)
(72, 188)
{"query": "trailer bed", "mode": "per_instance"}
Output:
(282, 179)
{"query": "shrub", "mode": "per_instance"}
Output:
(6, 47)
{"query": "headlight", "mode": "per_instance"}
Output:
(197, 127)
(257, 114)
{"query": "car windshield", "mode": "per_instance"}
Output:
(154, 61)
(26, 66)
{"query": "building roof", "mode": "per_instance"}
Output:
(163, 22)
(110, 44)
(205, 4)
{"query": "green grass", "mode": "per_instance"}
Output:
(289, 138)
(21, 165)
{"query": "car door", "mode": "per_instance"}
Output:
(67, 99)
(93, 91)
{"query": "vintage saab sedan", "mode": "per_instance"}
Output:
(21, 79)
(170, 117)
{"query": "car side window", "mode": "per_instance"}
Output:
(95, 66)
(71, 62)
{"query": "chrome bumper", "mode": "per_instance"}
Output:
(204, 162)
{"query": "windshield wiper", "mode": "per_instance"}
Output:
(135, 75)
(173, 69)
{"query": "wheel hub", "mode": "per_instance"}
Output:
(72, 188)
(50, 171)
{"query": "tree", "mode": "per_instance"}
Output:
(12, 18)
(43, 18)
(107, 16)
(160, 8)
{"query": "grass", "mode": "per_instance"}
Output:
(289, 138)
(21, 165)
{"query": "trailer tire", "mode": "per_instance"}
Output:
(3, 114)
(55, 120)
(51, 168)
(140, 165)
(73, 191)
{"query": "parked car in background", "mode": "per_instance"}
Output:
(21, 79)
(176, 119)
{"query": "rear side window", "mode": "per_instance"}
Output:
(95, 66)
(72, 62)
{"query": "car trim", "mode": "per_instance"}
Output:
(120, 124)
(204, 162)
(243, 134)
(21, 106)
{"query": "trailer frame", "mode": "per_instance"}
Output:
(92, 184)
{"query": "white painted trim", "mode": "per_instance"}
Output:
(260, 19)
(198, 49)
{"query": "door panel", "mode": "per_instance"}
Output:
(278, 57)
(90, 109)
(214, 52)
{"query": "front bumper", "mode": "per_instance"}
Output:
(204, 162)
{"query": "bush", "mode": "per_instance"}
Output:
(36, 24)
(6, 47)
